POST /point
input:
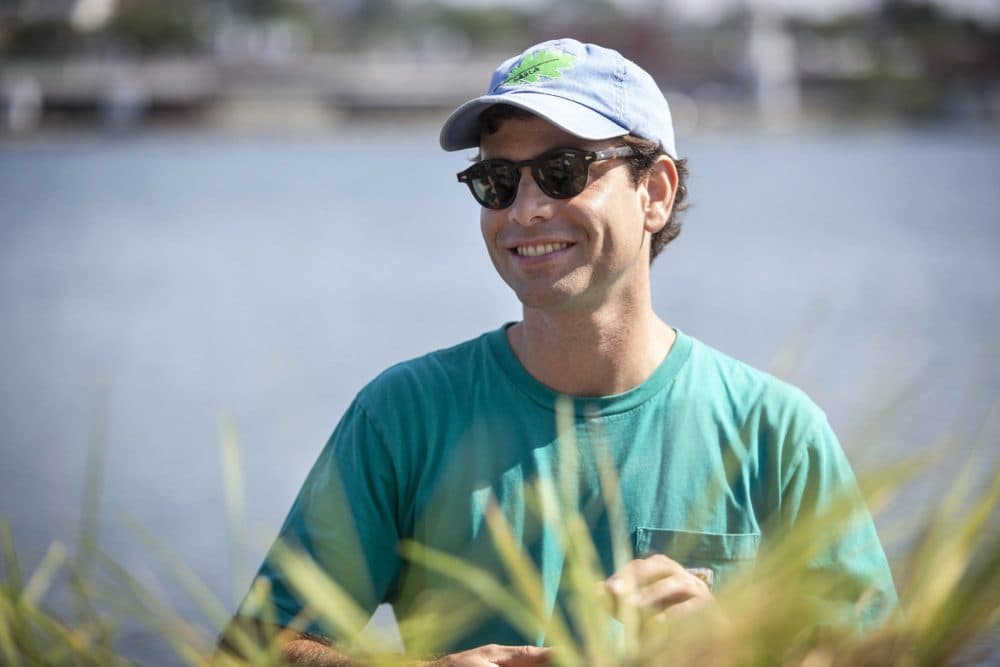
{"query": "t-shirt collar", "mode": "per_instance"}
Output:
(588, 405)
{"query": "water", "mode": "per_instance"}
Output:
(160, 283)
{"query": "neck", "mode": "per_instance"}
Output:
(597, 353)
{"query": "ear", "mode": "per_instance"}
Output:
(661, 186)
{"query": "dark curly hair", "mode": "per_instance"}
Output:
(640, 164)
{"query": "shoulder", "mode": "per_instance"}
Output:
(774, 422)
(430, 379)
(410, 405)
(782, 437)
(749, 392)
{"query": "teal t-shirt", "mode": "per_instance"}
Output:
(711, 454)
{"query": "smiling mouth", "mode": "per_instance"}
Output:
(539, 249)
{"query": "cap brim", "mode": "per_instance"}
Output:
(461, 130)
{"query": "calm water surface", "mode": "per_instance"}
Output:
(151, 286)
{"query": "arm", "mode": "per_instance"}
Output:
(299, 648)
(304, 649)
(295, 647)
(819, 490)
(338, 543)
(317, 653)
(346, 520)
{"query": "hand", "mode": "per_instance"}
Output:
(657, 587)
(495, 655)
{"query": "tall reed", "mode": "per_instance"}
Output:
(774, 612)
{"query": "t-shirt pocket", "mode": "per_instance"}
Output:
(713, 557)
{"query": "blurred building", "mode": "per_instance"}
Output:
(286, 64)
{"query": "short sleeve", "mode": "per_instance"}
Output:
(820, 478)
(345, 518)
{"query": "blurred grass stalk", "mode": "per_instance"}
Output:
(949, 581)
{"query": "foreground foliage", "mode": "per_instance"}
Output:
(949, 581)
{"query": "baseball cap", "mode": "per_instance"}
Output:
(585, 89)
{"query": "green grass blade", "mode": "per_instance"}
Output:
(621, 546)
(8, 647)
(139, 603)
(439, 621)
(89, 528)
(11, 563)
(582, 571)
(487, 587)
(41, 579)
(330, 604)
(258, 645)
(528, 582)
(93, 483)
(20, 631)
(190, 582)
(232, 480)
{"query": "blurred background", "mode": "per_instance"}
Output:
(312, 64)
(237, 212)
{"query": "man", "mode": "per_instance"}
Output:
(580, 186)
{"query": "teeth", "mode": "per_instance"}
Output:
(541, 249)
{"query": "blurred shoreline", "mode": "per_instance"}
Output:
(316, 93)
(304, 67)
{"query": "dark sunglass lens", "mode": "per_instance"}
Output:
(562, 174)
(494, 184)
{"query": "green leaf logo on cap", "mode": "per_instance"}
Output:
(534, 66)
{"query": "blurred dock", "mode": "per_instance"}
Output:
(289, 65)
(308, 92)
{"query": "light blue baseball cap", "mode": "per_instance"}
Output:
(587, 90)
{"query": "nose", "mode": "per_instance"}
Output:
(531, 205)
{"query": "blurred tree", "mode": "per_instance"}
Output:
(155, 28)
(907, 59)
(269, 9)
(43, 38)
(486, 27)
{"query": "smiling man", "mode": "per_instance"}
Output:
(580, 187)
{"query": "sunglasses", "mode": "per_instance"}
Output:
(560, 173)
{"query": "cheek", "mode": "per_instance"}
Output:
(489, 226)
(614, 218)
(595, 210)
(484, 223)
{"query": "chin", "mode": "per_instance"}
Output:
(550, 300)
